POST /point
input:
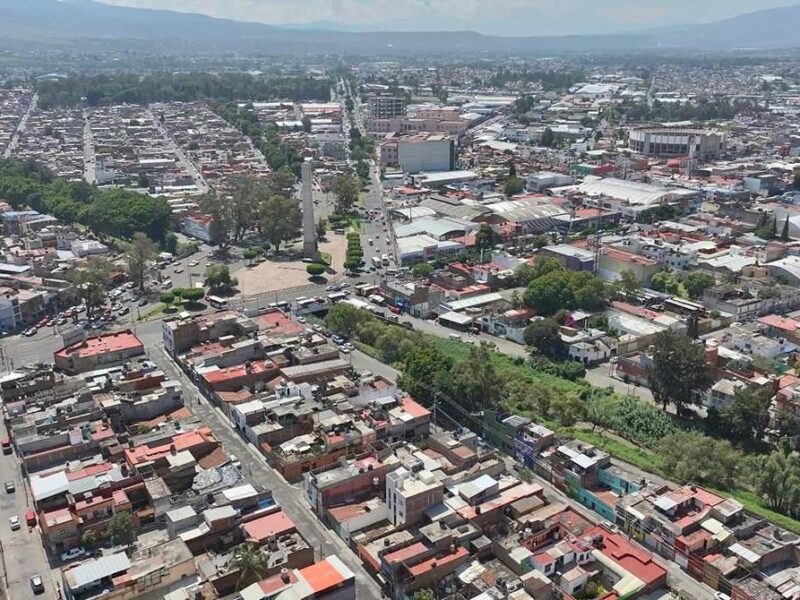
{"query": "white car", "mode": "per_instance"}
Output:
(301, 319)
(72, 554)
(13, 522)
(179, 269)
(194, 263)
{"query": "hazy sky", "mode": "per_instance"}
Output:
(509, 17)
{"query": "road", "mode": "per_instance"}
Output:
(23, 122)
(22, 552)
(186, 164)
(89, 157)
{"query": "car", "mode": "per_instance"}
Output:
(72, 554)
(179, 269)
(30, 331)
(130, 285)
(61, 321)
(301, 319)
(10, 488)
(236, 462)
(194, 263)
(143, 301)
(721, 596)
(344, 349)
(37, 585)
(51, 322)
(124, 310)
(166, 285)
(349, 346)
(14, 523)
(395, 309)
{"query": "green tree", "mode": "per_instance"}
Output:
(691, 456)
(567, 408)
(166, 298)
(218, 277)
(548, 138)
(543, 336)
(679, 371)
(425, 371)
(315, 269)
(777, 478)
(345, 187)
(478, 384)
(279, 183)
(485, 237)
(281, 220)
(525, 273)
(139, 253)
(193, 295)
(696, 283)
(628, 282)
(89, 538)
(513, 186)
(424, 594)
(422, 269)
(747, 418)
(91, 282)
(252, 253)
(549, 293)
(120, 528)
(666, 282)
(251, 562)
(306, 121)
(170, 243)
(529, 396)
(345, 319)
(785, 231)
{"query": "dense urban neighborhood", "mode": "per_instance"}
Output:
(466, 327)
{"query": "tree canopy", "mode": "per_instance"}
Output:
(679, 370)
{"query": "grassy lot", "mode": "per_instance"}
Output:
(156, 311)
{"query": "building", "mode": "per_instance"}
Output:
(700, 144)
(419, 152)
(101, 351)
(198, 226)
(384, 106)
(409, 494)
(328, 579)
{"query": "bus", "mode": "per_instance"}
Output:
(376, 261)
(217, 302)
(385, 259)
(336, 297)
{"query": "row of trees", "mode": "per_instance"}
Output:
(108, 212)
(551, 288)
(276, 151)
(98, 90)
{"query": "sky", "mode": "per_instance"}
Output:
(503, 17)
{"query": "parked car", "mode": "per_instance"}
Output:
(37, 585)
(72, 554)
(30, 331)
(194, 263)
(179, 269)
(10, 489)
(14, 523)
(124, 310)
(143, 301)
(166, 285)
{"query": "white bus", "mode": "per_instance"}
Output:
(217, 302)
(336, 297)
(385, 259)
(376, 261)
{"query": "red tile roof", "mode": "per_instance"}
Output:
(322, 576)
(182, 441)
(404, 553)
(438, 561)
(637, 562)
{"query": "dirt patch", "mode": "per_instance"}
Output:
(272, 275)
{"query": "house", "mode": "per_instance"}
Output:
(104, 350)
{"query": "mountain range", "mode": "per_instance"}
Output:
(60, 21)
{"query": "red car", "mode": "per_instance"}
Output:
(395, 309)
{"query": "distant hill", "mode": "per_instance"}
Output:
(64, 20)
(768, 28)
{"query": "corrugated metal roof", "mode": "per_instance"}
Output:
(95, 570)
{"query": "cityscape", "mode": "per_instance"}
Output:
(310, 309)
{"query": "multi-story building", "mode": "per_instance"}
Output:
(696, 143)
(386, 106)
(409, 494)
(419, 152)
